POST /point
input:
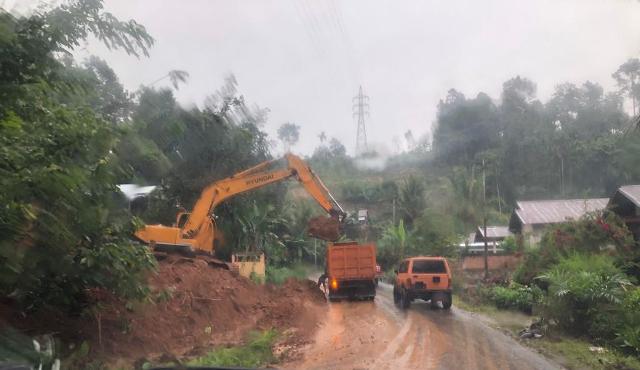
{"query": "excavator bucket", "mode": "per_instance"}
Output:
(325, 228)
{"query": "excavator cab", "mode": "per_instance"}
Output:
(182, 218)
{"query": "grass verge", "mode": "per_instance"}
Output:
(571, 353)
(574, 353)
(257, 352)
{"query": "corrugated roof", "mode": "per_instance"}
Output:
(132, 191)
(632, 192)
(495, 231)
(554, 211)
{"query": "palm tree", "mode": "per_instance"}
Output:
(176, 77)
(259, 225)
(411, 198)
(396, 237)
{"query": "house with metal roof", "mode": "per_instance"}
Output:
(530, 218)
(494, 234)
(626, 204)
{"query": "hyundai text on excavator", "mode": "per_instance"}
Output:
(196, 232)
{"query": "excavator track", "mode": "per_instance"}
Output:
(164, 251)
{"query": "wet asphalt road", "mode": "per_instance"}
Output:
(378, 335)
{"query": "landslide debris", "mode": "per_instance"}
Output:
(194, 308)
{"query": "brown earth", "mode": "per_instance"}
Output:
(325, 228)
(195, 307)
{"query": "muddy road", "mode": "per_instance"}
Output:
(378, 335)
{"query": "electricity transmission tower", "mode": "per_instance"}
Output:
(360, 110)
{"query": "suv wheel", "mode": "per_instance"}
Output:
(396, 295)
(405, 301)
(447, 301)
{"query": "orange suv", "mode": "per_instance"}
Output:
(427, 278)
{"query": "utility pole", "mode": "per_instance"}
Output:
(315, 252)
(393, 207)
(498, 191)
(484, 222)
(360, 110)
(562, 174)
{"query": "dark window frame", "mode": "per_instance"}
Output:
(404, 267)
(429, 267)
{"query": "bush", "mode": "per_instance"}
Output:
(628, 333)
(516, 296)
(592, 233)
(509, 245)
(530, 268)
(278, 275)
(389, 276)
(585, 295)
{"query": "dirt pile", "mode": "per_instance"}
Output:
(195, 307)
(325, 228)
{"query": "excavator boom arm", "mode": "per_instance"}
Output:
(314, 186)
(221, 190)
(254, 178)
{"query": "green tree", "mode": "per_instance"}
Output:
(62, 231)
(259, 227)
(110, 98)
(411, 201)
(628, 78)
(465, 127)
(175, 76)
(393, 244)
(289, 134)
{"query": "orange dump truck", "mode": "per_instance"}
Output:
(351, 270)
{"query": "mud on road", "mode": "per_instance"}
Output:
(378, 335)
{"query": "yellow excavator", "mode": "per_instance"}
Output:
(196, 232)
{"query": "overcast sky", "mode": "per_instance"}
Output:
(304, 59)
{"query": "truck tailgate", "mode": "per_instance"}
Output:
(350, 261)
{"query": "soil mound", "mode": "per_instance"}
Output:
(194, 307)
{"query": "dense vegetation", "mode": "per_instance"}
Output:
(62, 231)
(70, 133)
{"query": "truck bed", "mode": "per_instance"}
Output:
(351, 261)
(352, 270)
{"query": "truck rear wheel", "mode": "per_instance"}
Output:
(434, 303)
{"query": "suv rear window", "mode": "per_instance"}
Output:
(429, 267)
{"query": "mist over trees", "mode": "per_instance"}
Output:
(576, 144)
